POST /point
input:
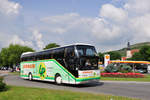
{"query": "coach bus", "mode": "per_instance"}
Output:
(73, 64)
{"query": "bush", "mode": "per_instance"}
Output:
(2, 85)
(112, 68)
(125, 68)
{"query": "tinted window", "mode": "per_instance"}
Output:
(86, 50)
(47, 54)
(70, 52)
(28, 58)
(39, 56)
(58, 53)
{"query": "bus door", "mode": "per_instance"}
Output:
(69, 62)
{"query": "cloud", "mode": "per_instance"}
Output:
(9, 7)
(65, 18)
(17, 40)
(140, 26)
(103, 31)
(137, 6)
(113, 13)
(37, 36)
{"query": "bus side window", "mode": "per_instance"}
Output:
(54, 54)
(39, 56)
(33, 58)
(47, 55)
(58, 54)
(70, 52)
(50, 55)
(61, 53)
(22, 59)
(26, 59)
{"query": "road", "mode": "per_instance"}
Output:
(128, 89)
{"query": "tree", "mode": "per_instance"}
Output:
(114, 55)
(11, 56)
(101, 56)
(51, 45)
(137, 56)
(143, 54)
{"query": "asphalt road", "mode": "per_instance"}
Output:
(128, 89)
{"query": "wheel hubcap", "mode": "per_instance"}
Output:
(30, 77)
(58, 80)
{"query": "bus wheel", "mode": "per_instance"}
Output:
(30, 76)
(58, 79)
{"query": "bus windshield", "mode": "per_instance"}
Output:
(88, 57)
(86, 51)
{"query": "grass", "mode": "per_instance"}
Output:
(146, 79)
(26, 93)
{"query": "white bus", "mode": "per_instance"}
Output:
(73, 64)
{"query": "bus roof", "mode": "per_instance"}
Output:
(26, 53)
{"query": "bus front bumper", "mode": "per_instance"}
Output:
(83, 81)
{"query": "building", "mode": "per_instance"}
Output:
(129, 52)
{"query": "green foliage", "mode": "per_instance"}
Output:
(125, 68)
(137, 56)
(143, 54)
(2, 85)
(11, 56)
(114, 55)
(51, 45)
(118, 68)
(111, 68)
(101, 56)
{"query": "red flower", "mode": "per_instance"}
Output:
(127, 75)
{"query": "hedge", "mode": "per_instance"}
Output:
(2, 85)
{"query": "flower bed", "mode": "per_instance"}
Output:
(123, 75)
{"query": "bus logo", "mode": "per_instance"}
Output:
(29, 66)
(42, 71)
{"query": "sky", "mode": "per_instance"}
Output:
(106, 24)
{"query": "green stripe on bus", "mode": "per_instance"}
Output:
(24, 75)
(52, 78)
(86, 79)
(36, 76)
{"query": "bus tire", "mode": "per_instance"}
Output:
(30, 77)
(58, 79)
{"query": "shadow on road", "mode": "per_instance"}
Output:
(92, 84)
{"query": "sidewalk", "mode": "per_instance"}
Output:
(4, 73)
